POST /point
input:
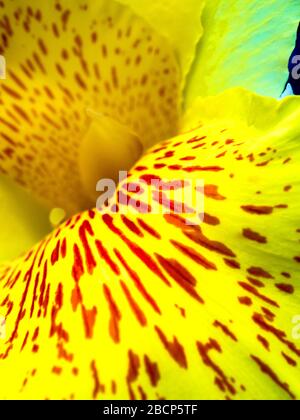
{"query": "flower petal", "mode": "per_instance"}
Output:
(23, 221)
(63, 59)
(178, 21)
(145, 306)
(244, 44)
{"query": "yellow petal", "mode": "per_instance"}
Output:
(64, 59)
(244, 44)
(178, 21)
(23, 221)
(145, 306)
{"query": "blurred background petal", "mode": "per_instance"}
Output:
(245, 43)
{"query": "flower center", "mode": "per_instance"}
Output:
(107, 148)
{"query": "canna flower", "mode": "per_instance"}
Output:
(146, 306)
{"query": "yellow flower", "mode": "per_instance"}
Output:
(145, 305)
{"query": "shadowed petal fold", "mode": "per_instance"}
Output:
(23, 221)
